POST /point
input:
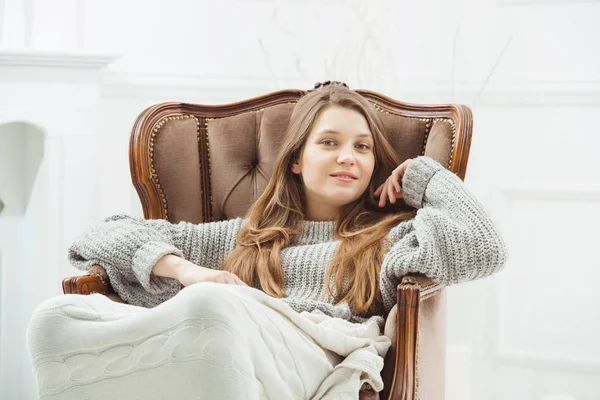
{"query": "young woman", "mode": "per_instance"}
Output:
(289, 301)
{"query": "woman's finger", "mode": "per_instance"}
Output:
(383, 197)
(378, 191)
(404, 165)
(396, 178)
(390, 189)
(380, 194)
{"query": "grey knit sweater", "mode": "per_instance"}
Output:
(451, 240)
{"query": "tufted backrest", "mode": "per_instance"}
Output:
(202, 163)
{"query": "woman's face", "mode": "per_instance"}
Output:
(340, 143)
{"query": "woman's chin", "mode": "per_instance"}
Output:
(344, 199)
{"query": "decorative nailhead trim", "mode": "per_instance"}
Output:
(431, 294)
(451, 122)
(104, 282)
(206, 121)
(428, 126)
(153, 174)
(427, 121)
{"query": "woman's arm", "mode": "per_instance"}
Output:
(451, 239)
(129, 247)
(171, 266)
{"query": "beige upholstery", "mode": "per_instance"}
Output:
(246, 146)
(431, 365)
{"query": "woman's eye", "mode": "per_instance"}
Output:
(361, 146)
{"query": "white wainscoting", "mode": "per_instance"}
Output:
(545, 305)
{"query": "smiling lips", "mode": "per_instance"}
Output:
(346, 174)
(339, 178)
(344, 177)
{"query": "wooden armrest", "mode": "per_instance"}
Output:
(96, 281)
(401, 360)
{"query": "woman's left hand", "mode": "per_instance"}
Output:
(391, 189)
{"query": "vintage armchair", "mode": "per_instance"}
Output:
(202, 163)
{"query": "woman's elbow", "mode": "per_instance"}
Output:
(482, 257)
(495, 255)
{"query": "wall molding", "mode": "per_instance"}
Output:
(503, 194)
(173, 87)
(163, 87)
(549, 363)
(29, 58)
(574, 193)
(532, 94)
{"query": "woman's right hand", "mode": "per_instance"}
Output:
(193, 273)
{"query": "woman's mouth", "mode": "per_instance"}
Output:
(343, 178)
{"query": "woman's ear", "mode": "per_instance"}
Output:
(296, 169)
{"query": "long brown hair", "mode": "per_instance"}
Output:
(276, 218)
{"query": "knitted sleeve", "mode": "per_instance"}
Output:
(128, 247)
(451, 239)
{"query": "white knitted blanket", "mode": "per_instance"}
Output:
(210, 341)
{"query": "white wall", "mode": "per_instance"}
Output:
(530, 70)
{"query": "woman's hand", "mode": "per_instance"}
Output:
(391, 189)
(194, 274)
(189, 273)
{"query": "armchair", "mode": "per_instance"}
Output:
(202, 163)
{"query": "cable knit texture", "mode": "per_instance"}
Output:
(451, 240)
(210, 341)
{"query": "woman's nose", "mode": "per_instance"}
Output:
(346, 156)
